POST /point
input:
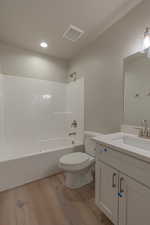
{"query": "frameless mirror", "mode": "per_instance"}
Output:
(137, 88)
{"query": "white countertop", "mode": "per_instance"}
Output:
(115, 142)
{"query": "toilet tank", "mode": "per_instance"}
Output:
(89, 144)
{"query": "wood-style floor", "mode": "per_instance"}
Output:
(48, 202)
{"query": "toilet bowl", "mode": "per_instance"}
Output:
(78, 165)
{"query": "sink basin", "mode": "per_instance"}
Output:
(126, 143)
(134, 141)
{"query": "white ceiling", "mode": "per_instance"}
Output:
(25, 23)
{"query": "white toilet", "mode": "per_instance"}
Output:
(78, 165)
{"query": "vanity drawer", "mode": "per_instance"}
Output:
(133, 167)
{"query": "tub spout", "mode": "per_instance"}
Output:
(72, 133)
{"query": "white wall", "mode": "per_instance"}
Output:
(31, 110)
(75, 105)
(19, 62)
(101, 64)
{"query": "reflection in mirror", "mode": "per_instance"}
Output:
(137, 88)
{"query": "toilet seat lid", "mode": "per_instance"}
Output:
(74, 158)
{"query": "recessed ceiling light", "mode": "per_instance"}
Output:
(44, 44)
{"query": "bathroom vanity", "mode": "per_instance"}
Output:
(123, 178)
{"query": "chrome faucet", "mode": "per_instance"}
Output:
(144, 130)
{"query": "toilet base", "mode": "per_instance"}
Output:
(77, 179)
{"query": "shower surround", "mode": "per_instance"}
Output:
(35, 119)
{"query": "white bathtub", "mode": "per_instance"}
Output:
(22, 169)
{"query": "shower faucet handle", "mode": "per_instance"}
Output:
(74, 124)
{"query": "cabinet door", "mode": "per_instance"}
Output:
(107, 190)
(134, 202)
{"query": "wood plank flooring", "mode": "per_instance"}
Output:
(48, 202)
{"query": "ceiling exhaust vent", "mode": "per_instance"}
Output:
(73, 33)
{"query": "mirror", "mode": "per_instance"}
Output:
(137, 88)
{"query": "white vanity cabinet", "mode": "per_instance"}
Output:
(121, 194)
(107, 190)
(134, 205)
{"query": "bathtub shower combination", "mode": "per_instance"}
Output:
(35, 120)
